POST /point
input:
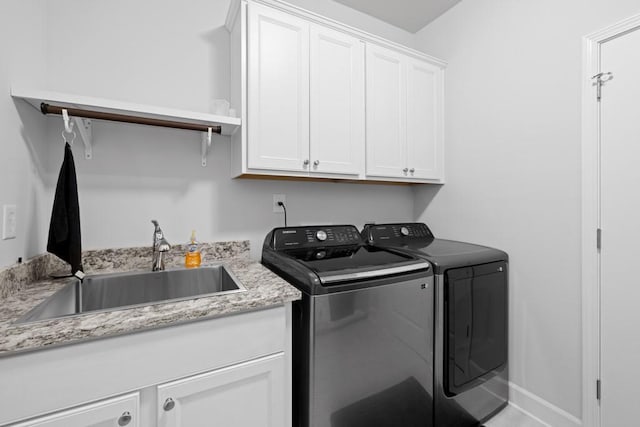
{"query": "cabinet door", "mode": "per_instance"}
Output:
(425, 147)
(337, 102)
(117, 412)
(278, 90)
(250, 394)
(386, 112)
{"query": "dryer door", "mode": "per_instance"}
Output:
(475, 325)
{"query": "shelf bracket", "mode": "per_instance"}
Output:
(86, 133)
(206, 145)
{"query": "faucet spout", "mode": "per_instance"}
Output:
(160, 248)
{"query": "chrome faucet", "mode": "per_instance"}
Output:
(160, 247)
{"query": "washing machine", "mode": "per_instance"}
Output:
(362, 341)
(471, 369)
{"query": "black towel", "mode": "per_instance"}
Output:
(64, 230)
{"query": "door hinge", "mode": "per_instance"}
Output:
(600, 79)
(598, 389)
(599, 238)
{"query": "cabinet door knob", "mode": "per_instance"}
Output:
(306, 162)
(169, 404)
(124, 419)
(412, 170)
(316, 163)
(405, 170)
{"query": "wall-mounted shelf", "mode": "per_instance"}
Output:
(83, 109)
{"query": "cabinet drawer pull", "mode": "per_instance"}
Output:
(306, 162)
(316, 163)
(405, 170)
(124, 419)
(169, 404)
(412, 170)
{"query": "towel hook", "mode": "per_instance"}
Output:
(68, 124)
(73, 138)
(68, 127)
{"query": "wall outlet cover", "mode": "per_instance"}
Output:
(9, 222)
(279, 198)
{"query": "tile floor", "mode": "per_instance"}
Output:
(511, 416)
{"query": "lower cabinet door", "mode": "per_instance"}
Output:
(250, 394)
(117, 412)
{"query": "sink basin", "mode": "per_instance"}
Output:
(107, 292)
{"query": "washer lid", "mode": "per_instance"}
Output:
(341, 264)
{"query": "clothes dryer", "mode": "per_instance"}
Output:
(471, 369)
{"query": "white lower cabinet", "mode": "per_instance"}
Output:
(117, 412)
(249, 394)
(230, 371)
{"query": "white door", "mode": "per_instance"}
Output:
(118, 412)
(337, 102)
(386, 112)
(249, 394)
(620, 224)
(278, 90)
(425, 143)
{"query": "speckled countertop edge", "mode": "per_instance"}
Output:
(263, 289)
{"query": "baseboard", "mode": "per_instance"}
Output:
(539, 409)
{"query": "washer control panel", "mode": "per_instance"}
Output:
(381, 233)
(315, 236)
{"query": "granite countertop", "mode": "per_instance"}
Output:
(24, 286)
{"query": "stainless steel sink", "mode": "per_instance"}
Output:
(109, 292)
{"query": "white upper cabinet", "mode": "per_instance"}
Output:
(404, 116)
(305, 96)
(337, 102)
(278, 90)
(425, 147)
(386, 112)
(323, 100)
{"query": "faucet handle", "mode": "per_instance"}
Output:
(163, 245)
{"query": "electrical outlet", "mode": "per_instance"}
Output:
(9, 222)
(278, 198)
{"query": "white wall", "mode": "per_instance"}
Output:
(513, 93)
(175, 54)
(22, 28)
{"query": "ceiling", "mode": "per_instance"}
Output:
(410, 15)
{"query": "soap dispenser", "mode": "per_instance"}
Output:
(192, 258)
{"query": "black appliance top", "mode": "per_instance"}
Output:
(315, 258)
(416, 238)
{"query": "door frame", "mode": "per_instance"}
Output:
(591, 215)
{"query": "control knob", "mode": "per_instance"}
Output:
(404, 231)
(321, 235)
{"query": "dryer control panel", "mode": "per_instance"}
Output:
(389, 233)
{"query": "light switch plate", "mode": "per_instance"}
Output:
(9, 222)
